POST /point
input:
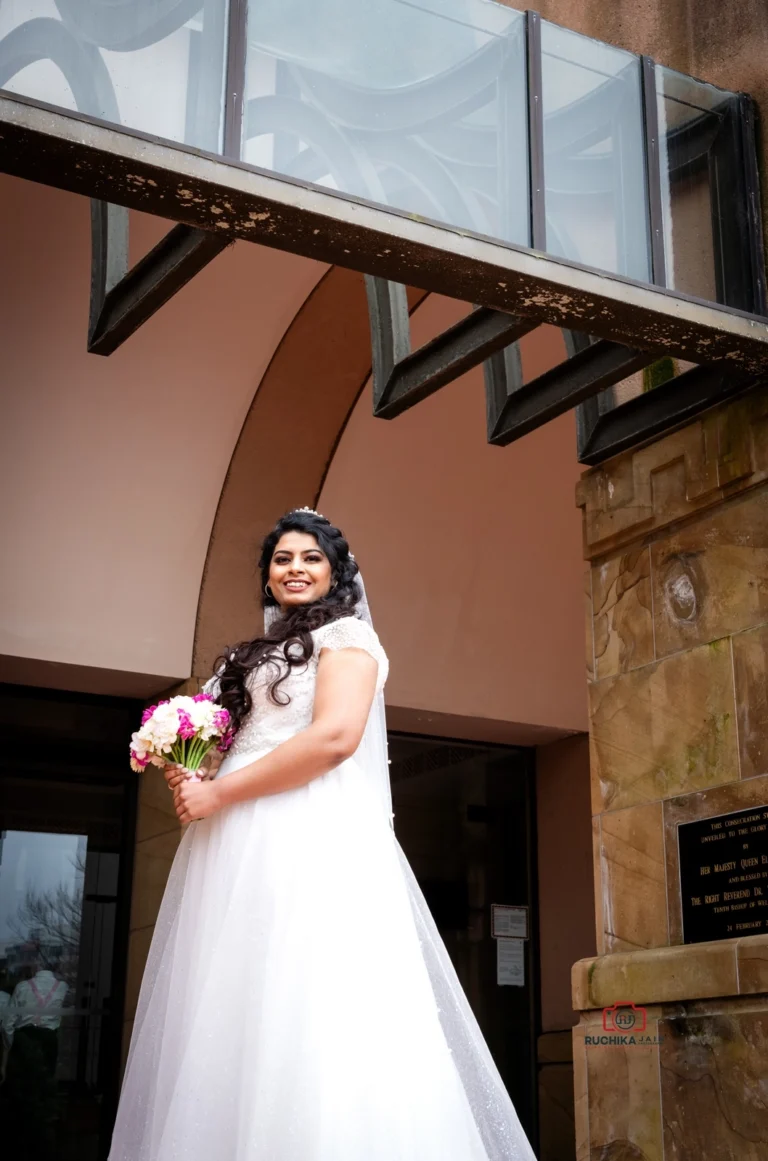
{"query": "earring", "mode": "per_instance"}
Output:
(268, 591)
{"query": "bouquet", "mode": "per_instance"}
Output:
(181, 730)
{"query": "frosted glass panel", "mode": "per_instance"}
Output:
(152, 65)
(594, 159)
(423, 106)
(701, 188)
(419, 106)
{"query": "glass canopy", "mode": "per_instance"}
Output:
(463, 112)
(594, 154)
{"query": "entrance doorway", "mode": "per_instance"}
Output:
(464, 815)
(67, 820)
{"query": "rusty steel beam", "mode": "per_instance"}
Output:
(233, 200)
(526, 406)
(122, 298)
(402, 377)
(656, 413)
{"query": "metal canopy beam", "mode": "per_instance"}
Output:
(513, 413)
(658, 412)
(233, 200)
(123, 299)
(401, 377)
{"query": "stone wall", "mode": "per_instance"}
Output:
(677, 539)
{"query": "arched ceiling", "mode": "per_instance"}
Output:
(284, 450)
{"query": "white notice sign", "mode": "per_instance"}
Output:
(509, 922)
(510, 962)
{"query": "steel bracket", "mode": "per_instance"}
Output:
(402, 377)
(515, 407)
(122, 298)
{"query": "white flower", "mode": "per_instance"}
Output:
(202, 714)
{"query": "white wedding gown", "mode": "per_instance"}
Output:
(298, 1004)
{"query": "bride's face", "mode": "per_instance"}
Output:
(299, 572)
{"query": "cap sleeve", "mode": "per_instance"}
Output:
(351, 633)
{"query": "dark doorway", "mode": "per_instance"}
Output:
(67, 821)
(464, 817)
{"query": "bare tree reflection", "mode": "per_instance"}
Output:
(50, 920)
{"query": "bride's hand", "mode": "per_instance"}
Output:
(194, 800)
(211, 763)
(174, 774)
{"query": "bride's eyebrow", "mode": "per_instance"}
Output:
(304, 551)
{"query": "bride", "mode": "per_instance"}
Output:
(298, 1003)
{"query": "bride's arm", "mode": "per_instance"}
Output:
(346, 683)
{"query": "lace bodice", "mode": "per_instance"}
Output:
(267, 725)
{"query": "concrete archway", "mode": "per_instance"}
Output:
(285, 447)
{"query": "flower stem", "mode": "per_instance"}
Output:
(190, 752)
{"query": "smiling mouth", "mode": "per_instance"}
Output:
(296, 586)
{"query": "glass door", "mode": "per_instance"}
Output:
(66, 836)
(464, 818)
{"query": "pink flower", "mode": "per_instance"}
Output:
(226, 741)
(186, 726)
(221, 720)
(202, 697)
(148, 714)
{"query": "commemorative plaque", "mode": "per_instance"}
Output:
(724, 875)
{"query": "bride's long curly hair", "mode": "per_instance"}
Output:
(294, 628)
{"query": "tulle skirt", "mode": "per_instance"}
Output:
(287, 1011)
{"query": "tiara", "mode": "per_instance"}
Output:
(311, 512)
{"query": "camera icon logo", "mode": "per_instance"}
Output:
(624, 1017)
